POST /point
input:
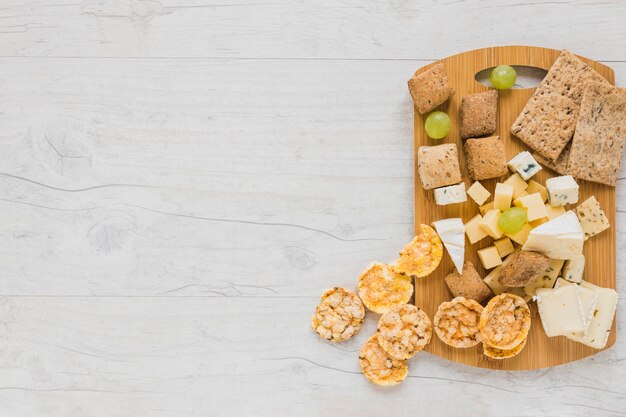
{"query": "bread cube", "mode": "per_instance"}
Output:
(438, 166)
(430, 88)
(478, 114)
(485, 158)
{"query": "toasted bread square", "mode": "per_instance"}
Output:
(430, 88)
(438, 166)
(485, 158)
(478, 114)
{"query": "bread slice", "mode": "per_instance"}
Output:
(547, 121)
(600, 134)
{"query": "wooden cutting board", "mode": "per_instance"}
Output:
(540, 351)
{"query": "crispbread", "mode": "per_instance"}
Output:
(505, 321)
(438, 165)
(547, 121)
(495, 353)
(381, 288)
(339, 316)
(420, 257)
(600, 134)
(560, 165)
(404, 331)
(430, 88)
(456, 322)
(378, 366)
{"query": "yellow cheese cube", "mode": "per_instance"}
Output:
(535, 208)
(485, 208)
(522, 194)
(478, 193)
(538, 222)
(503, 196)
(518, 183)
(489, 257)
(473, 231)
(492, 281)
(554, 212)
(504, 246)
(490, 224)
(521, 236)
(535, 187)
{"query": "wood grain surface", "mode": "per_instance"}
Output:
(540, 351)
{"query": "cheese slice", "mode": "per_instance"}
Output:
(451, 232)
(547, 280)
(588, 299)
(560, 238)
(561, 310)
(602, 320)
(592, 218)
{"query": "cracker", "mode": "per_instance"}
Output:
(456, 322)
(404, 331)
(548, 120)
(468, 284)
(495, 353)
(560, 165)
(381, 288)
(478, 114)
(339, 316)
(485, 158)
(420, 257)
(438, 166)
(600, 134)
(378, 366)
(430, 88)
(505, 321)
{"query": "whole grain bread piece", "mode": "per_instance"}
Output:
(438, 166)
(548, 120)
(523, 268)
(478, 114)
(467, 284)
(600, 134)
(560, 165)
(485, 158)
(430, 88)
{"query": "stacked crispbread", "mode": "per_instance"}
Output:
(575, 122)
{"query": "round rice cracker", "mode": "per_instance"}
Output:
(381, 288)
(496, 353)
(505, 321)
(378, 366)
(404, 331)
(339, 316)
(456, 322)
(420, 257)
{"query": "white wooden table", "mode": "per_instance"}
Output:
(181, 179)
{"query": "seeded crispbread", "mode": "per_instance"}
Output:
(430, 88)
(560, 165)
(600, 134)
(548, 120)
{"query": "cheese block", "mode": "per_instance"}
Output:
(489, 224)
(561, 310)
(492, 281)
(573, 269)
(451, 233)
(519, 291)
(489, 257)
(548, 279)
(562, 190)
(485, 208)
(518, 183)
(591, 217)
(473, 231)
(525, 165)
(504, 246)
(521, 236)
(503, 196)
(451, 194)
(478, 193)
(601, 322)
(533, 203)
(535, 187)
(554, 212)
(560, 238)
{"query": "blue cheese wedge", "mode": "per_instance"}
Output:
(573, 269)
(452, 234)
(525, 165)
(560, 238)
(451, 194)
(562, 190)
(591, 217)
(561, 311)
(602, 320)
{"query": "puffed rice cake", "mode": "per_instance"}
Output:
(381, 288)
(496, 353)
(378, 366)
(505, 321)
(403, 331)
(420, 257)
(339, 316)
(456, 322)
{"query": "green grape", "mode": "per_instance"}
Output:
(512, 220)
(437, 125)
(503, 77)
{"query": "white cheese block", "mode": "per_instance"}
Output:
(588, 299)
(452, 234)
(478, 193)
(562, 190)
(591, 217)
(525, 165)
(451, 194)
(573, 269)
(560, 238)
(600, 326)
(561, 310)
